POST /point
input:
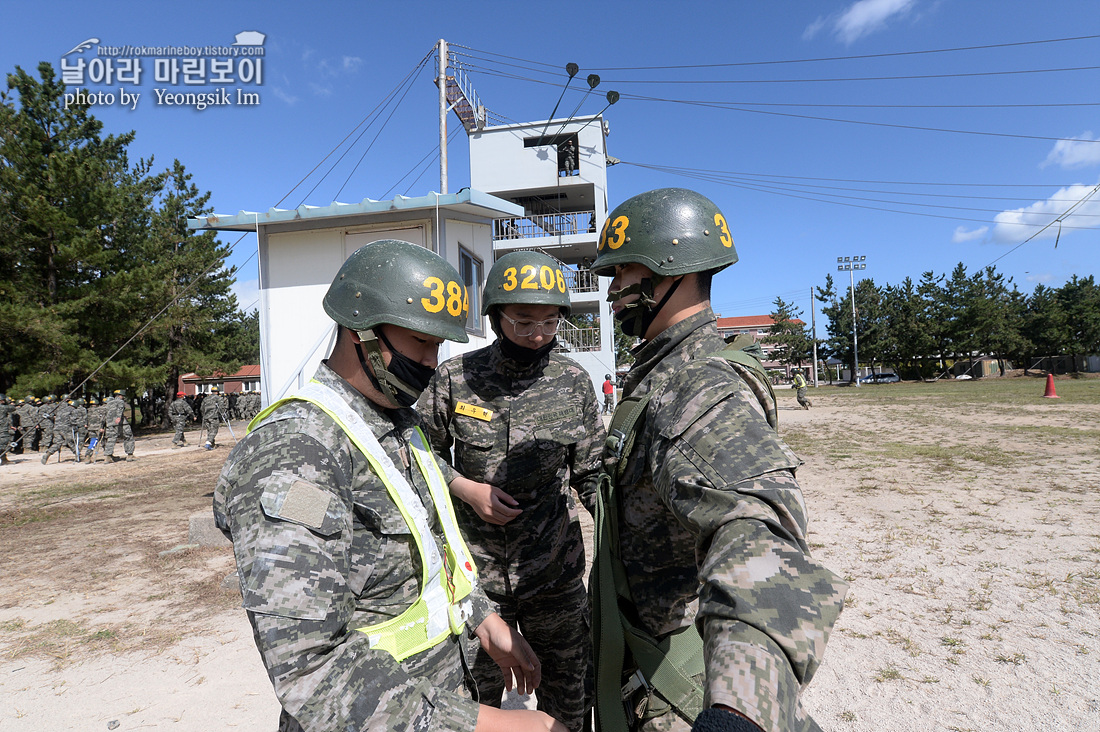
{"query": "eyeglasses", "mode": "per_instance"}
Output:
(525, 328)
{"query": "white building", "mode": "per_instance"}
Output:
(300, 251)
(564, 202)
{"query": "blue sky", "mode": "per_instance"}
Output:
(914, 132)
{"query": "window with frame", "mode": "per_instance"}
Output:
(471, 269)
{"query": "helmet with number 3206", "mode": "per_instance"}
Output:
(399, 283)
(527, 278)
(672, 231)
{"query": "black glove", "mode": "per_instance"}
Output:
(719, 720)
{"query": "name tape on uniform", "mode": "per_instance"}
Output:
(476, 412)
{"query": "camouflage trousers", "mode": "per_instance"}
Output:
(557, 625)
(63, 437)
(211, 427)
(802, 400)
(114, 432)
(179, 422)
(45, 436)
(608, 403)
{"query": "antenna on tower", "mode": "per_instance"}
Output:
(571, 69)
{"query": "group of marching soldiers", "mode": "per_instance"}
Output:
(215, 409)
(89, 428)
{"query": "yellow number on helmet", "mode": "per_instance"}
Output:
(454, 298)
(561, 281)
(528, 282)
(435, 304)
(725, 238)
(546, 278)
(615, 237)
(603, 234)
(510, 279)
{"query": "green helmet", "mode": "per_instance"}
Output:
(399, 283)
(672, 231)
(530, 278)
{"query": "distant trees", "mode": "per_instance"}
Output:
(793, 345)
(919, 329)
(93, 247)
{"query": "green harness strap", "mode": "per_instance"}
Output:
(670, 665)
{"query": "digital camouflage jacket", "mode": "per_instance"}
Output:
(713, 529)
(534, 431)
(309, 577)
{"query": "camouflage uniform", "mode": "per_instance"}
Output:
(44, 418)
(544, 435)
(96, 426)
(713, 531)
(179, 411)
(213, 410)
(62, 432)
(306, 590)
(7, 430)
(800, 385)
(114, 415)
(26, 414)
(78, 423)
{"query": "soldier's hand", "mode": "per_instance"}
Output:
(492, 504)
(512, 653)
(490, 719)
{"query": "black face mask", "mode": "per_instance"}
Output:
(525, 355)
(410, 373)
(636, 317)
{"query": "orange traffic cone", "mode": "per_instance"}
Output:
(1050, 394)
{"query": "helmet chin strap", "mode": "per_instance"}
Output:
(637, 316)
(378, 374)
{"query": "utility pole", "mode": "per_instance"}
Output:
(851, 264)
(442, 82)
(813, 326)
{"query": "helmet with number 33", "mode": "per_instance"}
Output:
(672, 231)
(528, 278)
(399, 283)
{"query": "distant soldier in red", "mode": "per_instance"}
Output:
(608, 395)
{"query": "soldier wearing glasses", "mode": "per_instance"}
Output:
(524, 426)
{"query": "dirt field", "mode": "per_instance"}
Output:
(965, 516)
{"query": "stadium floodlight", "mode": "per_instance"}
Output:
(850, 265)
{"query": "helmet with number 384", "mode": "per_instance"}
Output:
(400, 283)
(527, 278)
(672, 231)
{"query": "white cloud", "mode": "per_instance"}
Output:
(1016, 225)
(1041, 278)
(248, 294)
(867, 16)
(1077, 152)
(352, 63)
(962, 236)
(289, 99)
(814, 28)
(321, 91)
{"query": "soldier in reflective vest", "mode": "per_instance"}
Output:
(358, 585)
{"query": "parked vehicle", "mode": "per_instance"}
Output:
(882, 378)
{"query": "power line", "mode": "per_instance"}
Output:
(957, 75)
(1057, 220)
(858, 122)
(849, 58)
(686, 174)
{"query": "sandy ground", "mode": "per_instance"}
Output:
(966, 524)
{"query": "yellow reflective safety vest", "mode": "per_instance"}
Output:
(446, 580)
